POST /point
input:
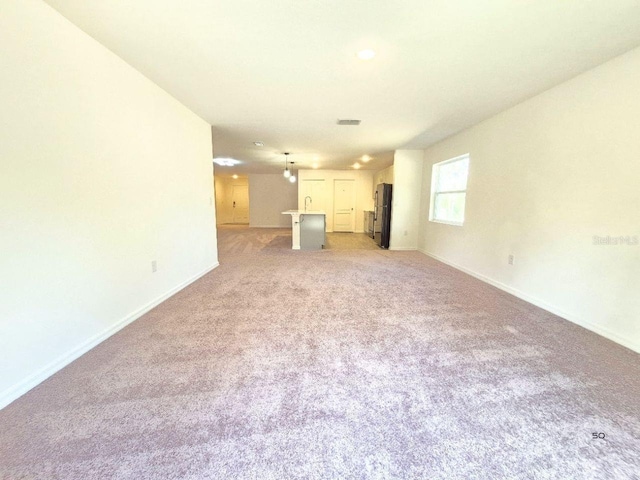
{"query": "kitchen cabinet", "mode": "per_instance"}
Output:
(308, 229)
(312, 231)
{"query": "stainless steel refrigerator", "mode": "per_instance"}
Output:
(382, 215)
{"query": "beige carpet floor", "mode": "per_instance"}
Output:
(346, 364)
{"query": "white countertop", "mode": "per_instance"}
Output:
(302, 212)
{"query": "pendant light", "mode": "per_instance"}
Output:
(286, 173)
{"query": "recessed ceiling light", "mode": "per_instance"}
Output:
(366, 54)
(235, 176)
(356, 165)
(365, 158)
(259, 144)
(315, 165)
(226, 162)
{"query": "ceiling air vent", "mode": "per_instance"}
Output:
(348, 122)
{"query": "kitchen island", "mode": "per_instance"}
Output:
(307, 229)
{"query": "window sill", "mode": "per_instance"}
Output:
(445, 222)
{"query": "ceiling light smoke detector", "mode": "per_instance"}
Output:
(259, 144)
(226, 162)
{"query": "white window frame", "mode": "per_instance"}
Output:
(434, 181)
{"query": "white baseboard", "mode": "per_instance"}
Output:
(605, 332)
(16, 391)
(403, 249)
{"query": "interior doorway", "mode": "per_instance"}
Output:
(232, 199)
(240, 203)
(344, 206)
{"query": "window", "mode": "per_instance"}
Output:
(449, 190)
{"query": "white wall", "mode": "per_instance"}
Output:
(269, 196)
(546, 177)
(383, 176)
(406, 198)
(101, 172)
(224, 196)
(364, 192)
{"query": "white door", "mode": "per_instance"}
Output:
(240, 203)
(344, 205)
(316, 191)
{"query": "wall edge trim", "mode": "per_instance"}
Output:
(603, 332)
(16, 391)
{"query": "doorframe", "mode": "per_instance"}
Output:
(233, 208)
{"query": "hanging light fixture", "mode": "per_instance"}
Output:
(292, 177)
(286, 172)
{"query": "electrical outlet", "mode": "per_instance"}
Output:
(154, 266)
(511, 259)
(406, 233)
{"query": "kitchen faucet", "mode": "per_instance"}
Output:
(305, 202)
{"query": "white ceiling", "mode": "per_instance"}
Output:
(284, 71)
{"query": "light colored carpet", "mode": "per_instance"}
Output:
(333, 364)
